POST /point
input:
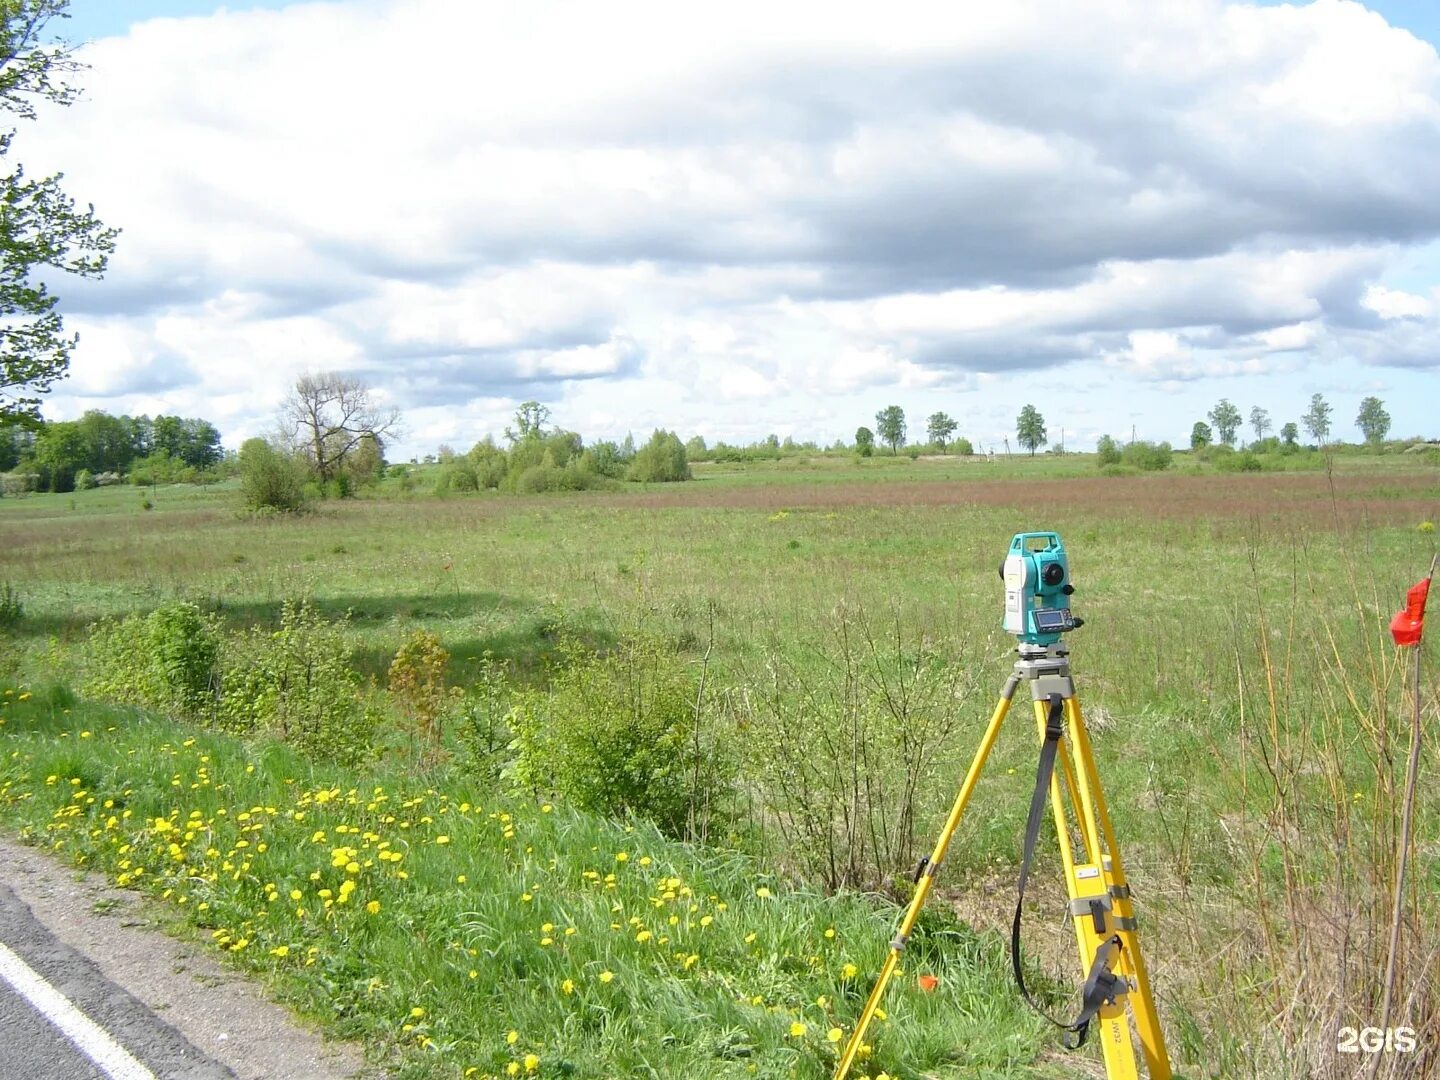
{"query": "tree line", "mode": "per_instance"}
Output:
(103, 449)
(1372, 420)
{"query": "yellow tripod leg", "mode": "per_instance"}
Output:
(1084, 883)
(926, 881)
(1132, 961)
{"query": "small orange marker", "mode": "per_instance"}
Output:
(927, 982)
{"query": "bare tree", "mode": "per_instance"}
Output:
(328, 416)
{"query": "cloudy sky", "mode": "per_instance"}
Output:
(755, 217)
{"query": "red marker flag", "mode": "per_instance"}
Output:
(1407, 626)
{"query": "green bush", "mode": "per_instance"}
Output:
(11, 608)
(1241, 462)
(615, 734)
(1106, 452)
(1147, 456)
(270, 479)
(963, 447)
(296, 683)
(168, 659)
(661, 460)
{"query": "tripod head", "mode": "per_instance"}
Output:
(1037, 589)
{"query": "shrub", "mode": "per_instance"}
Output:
(297, 684)
(964, 447)
(1106, 452)
(483, 728)
(168, 659)
(85, 480)
(270, 479)
(616, 734)
(661, 460)
(1242, 462)
(11, 608)
(1147, 456)
(417, 684)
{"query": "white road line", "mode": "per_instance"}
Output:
(89, 1037)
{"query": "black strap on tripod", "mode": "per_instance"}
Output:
(1101, 984)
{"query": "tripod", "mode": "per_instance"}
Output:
(1100, 901)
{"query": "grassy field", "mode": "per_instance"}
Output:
(1247, 709)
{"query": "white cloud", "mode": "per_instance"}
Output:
(798, 204)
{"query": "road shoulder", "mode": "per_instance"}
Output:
(219, 1011)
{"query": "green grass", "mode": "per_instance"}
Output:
(606, 949)
(1227, 615)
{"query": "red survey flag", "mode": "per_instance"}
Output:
(1407, 625)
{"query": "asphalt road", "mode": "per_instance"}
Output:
(52, 1000)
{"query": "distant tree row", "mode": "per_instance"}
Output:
(1372, 420)
(98, 447)
(890, 428)
(540, 457)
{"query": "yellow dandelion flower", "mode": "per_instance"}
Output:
(417, 1012)
(849, 971)
(532, 1062)
(763, 893)
(513, 1069)
(797, 1029)
(442, 839)
(568, 986)
(512, 1037)
(834, 1035)
(622, 856)
(606, 976)
(373, 907)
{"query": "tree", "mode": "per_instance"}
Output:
(660, 460)
(940, 427)
(890, 426)
(1200, 435)
(1290, 434)
(327, 417)
(864, 441)
(1226, 418)
(1030, 429)
(41, 230)
(1106, 452)
(269, 478)
(530, 421)
(1372, 420)
(1317, 418)
(1259, 422)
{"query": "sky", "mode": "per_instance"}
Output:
(743, 219)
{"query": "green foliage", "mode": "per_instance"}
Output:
(1201, 435)
(1244, 461)
(269, 478)
(168, 660)
(1317, 418)
(616, 734)
(1030, 429)
(41, 230)
(1227, 419)
(864, 441)
(483, 728)
(1260, 421)
(1372, 420)
(940, 428)
(296, 683)
(1106, 452)
(660, 460)
(963, 447)
(12, 609)
(1290, 434)
(848, 741)
(1147, 456)
(890, 426)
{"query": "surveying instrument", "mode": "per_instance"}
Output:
(1037, 612)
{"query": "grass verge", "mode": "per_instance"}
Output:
(464, 932)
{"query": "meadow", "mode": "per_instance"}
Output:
(825, 634)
